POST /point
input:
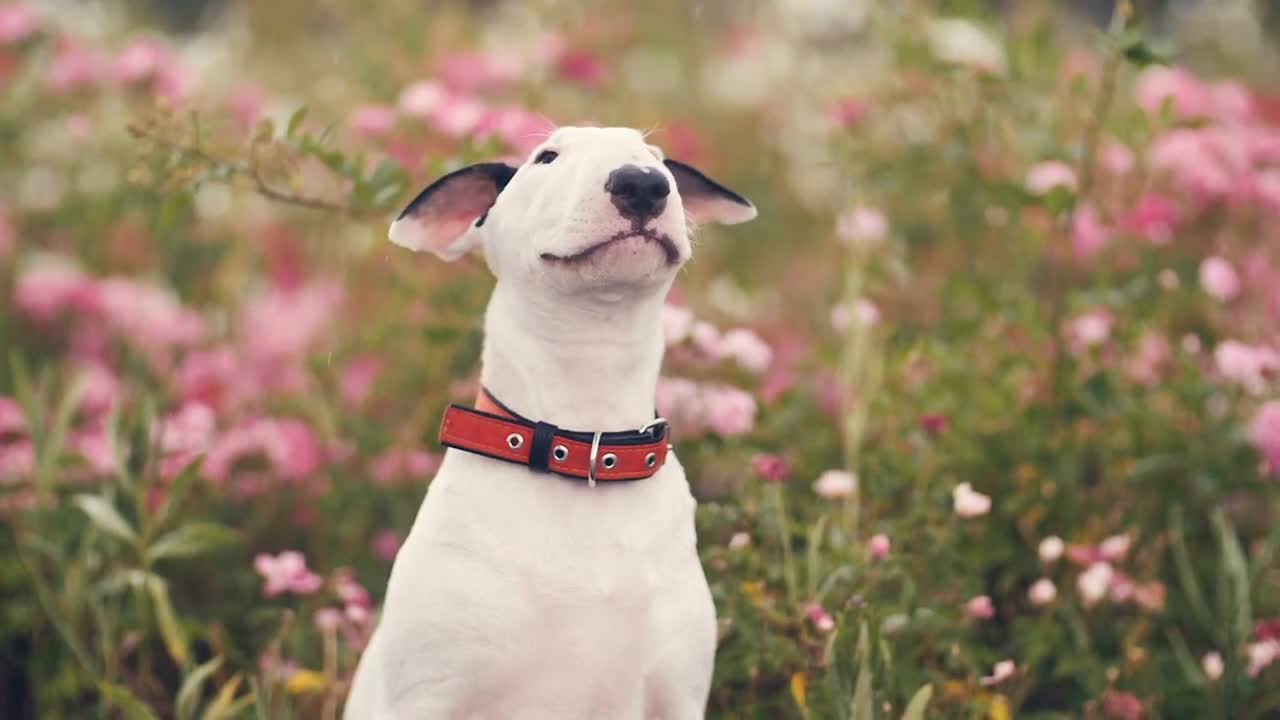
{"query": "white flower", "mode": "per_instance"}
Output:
(970, 503)
(1094, 582)
(1115, 547)
(1002, 671)
(739, 541)
(1212, 665)
(961, 42)
(1042, 592)
(1051, 549)
(835, 484)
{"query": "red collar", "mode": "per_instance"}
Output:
(495, 431)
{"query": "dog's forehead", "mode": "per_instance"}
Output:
(575, 138)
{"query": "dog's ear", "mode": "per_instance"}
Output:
(441, 217)
(707, 200)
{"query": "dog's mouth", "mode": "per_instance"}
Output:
(662, 240)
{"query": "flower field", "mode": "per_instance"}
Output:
(982, 412)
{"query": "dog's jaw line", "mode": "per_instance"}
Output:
(664, 241)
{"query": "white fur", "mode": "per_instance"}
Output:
(520, 595)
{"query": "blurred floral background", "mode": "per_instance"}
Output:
(983, 412)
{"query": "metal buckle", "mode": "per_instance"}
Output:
(591, 467)
(654, 423)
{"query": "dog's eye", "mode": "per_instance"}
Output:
(546, 157)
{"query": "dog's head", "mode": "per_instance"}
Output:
(591, 209)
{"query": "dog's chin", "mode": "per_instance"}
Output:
(627, 259)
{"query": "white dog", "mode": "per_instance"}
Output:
(553, 571)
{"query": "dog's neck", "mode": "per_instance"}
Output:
(580, 364)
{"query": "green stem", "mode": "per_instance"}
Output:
(774, 492)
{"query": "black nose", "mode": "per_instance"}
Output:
(638, 193)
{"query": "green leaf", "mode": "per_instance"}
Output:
(55, 434)
(1187, 663)
(1236, 571)
(191, 540)
(1186, 573)
(105, 516)
(861, 708)
(178, 490)
(175, 640)
(295, 121)
(188, 700)
(919, 703)
(125, 701)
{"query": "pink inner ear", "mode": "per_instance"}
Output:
(447, 215)
(712, 208)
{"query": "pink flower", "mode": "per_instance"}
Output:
(864, 311)
(580, 67)
(1088, 330)
(1158, 84)
(18, 22)
(478, 72)
(12, 421)
(1150, 596)
(73, 68)
(1114, 548)
(1264, 434)
(49, 285)
(291, 451)
(150, 317)
(208, 377)
(245, 104)
(357, 378)
(821, 619)
(879, 546)
(835, 484)
(1261, 655)
(770, 468)
(730, 411)
(372, 121)
(845, 113)
(933, 423)
(1094, 583)
(1051, 549)
(142, 60)
(980, 608)
(1207, 162)
(1088, 233)
(1116, 157)
(706, 337)
(101, 389)
(1002, 671)
(676, 323)
(862, 228)
(1043, 178)
(286, 572)
(1042, 592)
(1247, 365)
(397, 464)
(17, 461)
(184, 435)
(518, 128)
(1219, 279)
(349, 591)
(281, 324)
(422, 99)
(970, 503)
(328, 619)
(386, 544)
(751, 352)
(679, 400)
(1154, 218)
(458, 116)
(1121, 705)
(1144, 366)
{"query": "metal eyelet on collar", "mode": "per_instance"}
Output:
(650, 460)
(609, 461)
(515, 440)
(560, 453)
